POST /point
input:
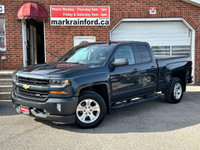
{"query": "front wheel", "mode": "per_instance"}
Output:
(90, 110)
(175, 92)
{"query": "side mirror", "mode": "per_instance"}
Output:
(120, 62)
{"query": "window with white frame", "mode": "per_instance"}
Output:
(172, 50)
(2, 35)
(161, 50)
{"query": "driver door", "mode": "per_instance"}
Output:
(124, 78)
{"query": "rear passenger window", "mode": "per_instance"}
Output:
(143, 53)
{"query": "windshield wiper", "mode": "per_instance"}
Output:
(73, 62)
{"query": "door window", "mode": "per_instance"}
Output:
(125, 52)
(143, 53)
(2, 35)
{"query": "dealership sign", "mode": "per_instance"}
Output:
(79, 15)
(152, 10)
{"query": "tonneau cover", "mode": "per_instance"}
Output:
(159, 57)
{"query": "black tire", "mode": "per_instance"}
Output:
(95, 100)
(170, 95)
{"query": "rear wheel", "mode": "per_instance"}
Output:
(90, 110)
(175, 92)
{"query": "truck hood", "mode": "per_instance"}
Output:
(53, 68)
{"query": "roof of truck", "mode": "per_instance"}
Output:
(109, 43)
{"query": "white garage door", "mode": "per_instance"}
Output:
(165, 38)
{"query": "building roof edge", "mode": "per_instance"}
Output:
(194, 2)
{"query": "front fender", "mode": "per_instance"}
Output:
(82, 82)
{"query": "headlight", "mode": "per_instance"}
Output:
(58, 83)
(14, 78)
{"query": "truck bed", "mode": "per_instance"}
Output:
(161, 57)
(164, 60)
(169, 64)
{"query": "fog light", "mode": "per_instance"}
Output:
(58, 106)
(18, 109)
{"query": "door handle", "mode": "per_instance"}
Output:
(135, 71)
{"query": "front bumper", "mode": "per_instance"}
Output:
(48, 110)
(189, 79)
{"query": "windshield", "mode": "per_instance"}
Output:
(90, 54)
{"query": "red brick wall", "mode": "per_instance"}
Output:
(60, 39)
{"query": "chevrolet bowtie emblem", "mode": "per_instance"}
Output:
(26, 86)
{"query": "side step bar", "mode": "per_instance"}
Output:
(132, 101)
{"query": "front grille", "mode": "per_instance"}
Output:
(32, 81)
(32, 94)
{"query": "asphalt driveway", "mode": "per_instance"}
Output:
(153, 125)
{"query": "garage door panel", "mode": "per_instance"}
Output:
(156, 42)
(156, 33)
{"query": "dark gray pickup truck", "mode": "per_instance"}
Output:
(91, 79)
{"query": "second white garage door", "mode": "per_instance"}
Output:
(165, 38)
